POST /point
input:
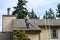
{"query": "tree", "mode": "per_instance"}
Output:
(20, 11)
(32, 15)
(58, 11)
(20, 35)
(49, 14)
(46, 15)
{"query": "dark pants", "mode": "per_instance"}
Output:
(27, 25)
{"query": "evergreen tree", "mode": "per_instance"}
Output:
(20, 10)
(49, 14)
(33, 15)
(58, 11)
(46, 15)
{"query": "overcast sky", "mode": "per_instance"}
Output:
(39, 6)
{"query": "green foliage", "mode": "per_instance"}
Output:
(49, 14)
(20, 10)
(20, 35)
(32, 15)
(58, 11)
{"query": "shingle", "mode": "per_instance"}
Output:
(50, 22)
(20, 24)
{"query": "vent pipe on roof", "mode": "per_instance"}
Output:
(8, 11)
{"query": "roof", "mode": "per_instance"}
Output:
(35, 22)
(9, 15)
(50, 22)
(20, 24)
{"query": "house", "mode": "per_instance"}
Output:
(10, 24)
(42, 29)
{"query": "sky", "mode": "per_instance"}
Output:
(39, 7)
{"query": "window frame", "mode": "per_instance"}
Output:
(52, 33)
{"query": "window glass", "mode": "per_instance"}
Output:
(54, 33)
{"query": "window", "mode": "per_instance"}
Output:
(54, 33)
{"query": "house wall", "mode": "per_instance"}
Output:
(59, 33)
(6, 35)
(7, 23)
(42, 34)
(33, 36)
(46, 34)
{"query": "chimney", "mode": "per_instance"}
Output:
(8, 11)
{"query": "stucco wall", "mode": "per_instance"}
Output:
(46, 34)
(7, 23)
(33, 36)
(59, 33)
(42, 34)
(6, 35)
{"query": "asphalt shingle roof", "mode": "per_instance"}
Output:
(20, 24)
